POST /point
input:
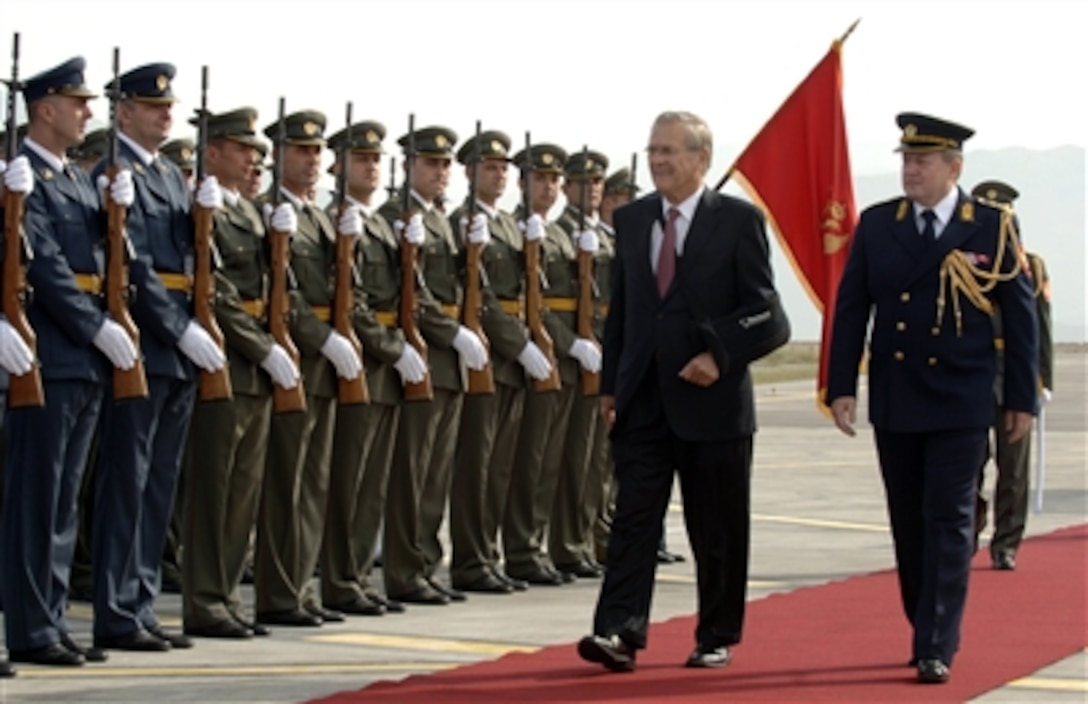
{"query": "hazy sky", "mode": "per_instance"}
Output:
(592, 72)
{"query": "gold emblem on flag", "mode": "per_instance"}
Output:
(831, 227)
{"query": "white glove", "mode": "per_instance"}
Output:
(15, 356)
(587, 241)
(282, 219)
(18, 176)
(351, 222)
(209, 195)
(410, 366)
(533, 228)
(413, 233)
(478, 231)
(534, 361)
(115, 343)
(587, 353)
(122, 190)
(343, 356)
(471, 349)
(281, 367)
(199, 346)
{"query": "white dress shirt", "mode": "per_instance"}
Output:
(683, 224)
(944, 210)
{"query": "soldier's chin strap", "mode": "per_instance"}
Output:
(960, 276)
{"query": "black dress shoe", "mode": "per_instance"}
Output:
(6, 670)
(664, 557)
(518, 585)
(138, 640)
(580, 569)
(538, 576)
(257, 629)
(424, 595)
(326, 615)
(709, 657)
(488, 584)
(932, 671)
(392, 606)
(53, 654)
(359, 606)
(611, 651)
(290, 617)
(450, 592)
(176, 640)
(566, 577)
(1004, 561)
(227, 628)
(91, 654)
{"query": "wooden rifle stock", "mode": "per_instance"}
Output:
(419, 391)
(24, 390)
(534, 304)
(591, 381)
(349, 391)
(213, 385)
(480, 381)
(293, 399)
(127, 383)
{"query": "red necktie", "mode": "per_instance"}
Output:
(666, 258)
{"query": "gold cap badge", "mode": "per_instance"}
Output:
(547, 158)
(310, 128)
(161, 82)
(372, 137)
(440, 141)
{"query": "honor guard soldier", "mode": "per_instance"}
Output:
(539, 450)
(1013, 459)
(929, 269)
(228, 440)
(490, 421)
(78, 346)
(294, 496)
(183, 153)
(426, 439)
(91, 149)
(365, 434)
(585, 453)
(141, 441)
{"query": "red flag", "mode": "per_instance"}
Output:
(798, 170)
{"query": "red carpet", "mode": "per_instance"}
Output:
(844, 641)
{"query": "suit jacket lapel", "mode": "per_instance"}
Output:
(643, 237)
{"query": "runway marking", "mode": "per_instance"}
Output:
(1050, 684)
(677, 507)
(95, 671)
(441, 645)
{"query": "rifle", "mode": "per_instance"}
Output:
(127, 383)
(633, 185)
(409, 306)
(591, 382)
(349, 391)
(293, 399)
(213, 385)
(481, 381)
(24, 390)
(534, 301)
(391, 189)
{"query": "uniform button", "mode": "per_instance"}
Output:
(898, 355)
(932, 361)
(905, 296)
(900, 326)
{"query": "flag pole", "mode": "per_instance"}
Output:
(837, 46)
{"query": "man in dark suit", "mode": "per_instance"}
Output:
(693, 303)
(929, 269)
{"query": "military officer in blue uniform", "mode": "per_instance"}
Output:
(47, 446)
(930, 268)
(141, 441)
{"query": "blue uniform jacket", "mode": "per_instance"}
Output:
(65, 226)
(924, 374)
(161, 230)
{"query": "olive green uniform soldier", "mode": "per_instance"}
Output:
(426, 437)
(1013, 460)
(490, 422)
(539, 450)
(182, 152)
(225, 457)
(585, 452)
(364, 436)
(293, 501)
(91, 149)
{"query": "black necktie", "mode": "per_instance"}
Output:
(929, 232)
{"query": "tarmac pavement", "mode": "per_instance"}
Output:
(818, 515)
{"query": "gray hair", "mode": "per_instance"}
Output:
(698, 132)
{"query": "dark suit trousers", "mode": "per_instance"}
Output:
(715, 481)
(141, 442)
(46, 454)
(930, 480)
